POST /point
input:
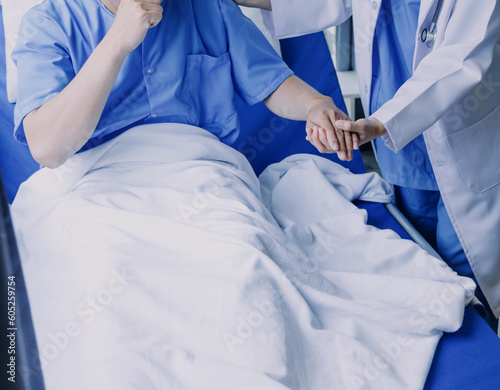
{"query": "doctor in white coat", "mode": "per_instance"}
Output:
(429, 76)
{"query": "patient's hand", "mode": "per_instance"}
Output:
(263, 4)
(133, 20)
(325, 135)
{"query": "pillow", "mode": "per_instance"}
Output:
(13, 11)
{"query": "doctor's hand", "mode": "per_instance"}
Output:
(325, 135)
(263, 4)
(366, 129)
(133, 20)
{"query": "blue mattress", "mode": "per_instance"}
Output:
(467, 359)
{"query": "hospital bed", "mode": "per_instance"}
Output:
(467, 359)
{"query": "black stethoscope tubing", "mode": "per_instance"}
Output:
(429, 36)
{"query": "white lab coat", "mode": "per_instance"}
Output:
(453, 98)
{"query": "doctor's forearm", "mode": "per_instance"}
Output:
(65, 123)
(262, 4)
(291, 18)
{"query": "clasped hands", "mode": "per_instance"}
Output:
(331, 131)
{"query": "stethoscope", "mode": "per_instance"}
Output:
(429, 36)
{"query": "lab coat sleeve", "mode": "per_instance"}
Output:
(291, 18)
(446, 74)
(40, 50)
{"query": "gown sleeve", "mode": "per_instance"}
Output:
(43, 63)
(257, 69)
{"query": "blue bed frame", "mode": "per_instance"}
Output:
(467, 359)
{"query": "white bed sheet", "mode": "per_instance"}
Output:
(159, 261)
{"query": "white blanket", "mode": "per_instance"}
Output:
(152, 262)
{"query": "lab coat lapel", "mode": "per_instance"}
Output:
(427, 8)
(365, 14)
(427, 11)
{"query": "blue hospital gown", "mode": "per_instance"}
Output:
(186, 70)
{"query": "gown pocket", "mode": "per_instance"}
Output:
(476, 150)
(210, 89)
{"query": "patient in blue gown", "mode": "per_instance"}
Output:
(90, 70)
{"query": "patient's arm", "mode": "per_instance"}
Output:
(60, 127)
(296, 100)
(263, 4)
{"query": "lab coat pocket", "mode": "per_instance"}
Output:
(210, 89)
(476, 149)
